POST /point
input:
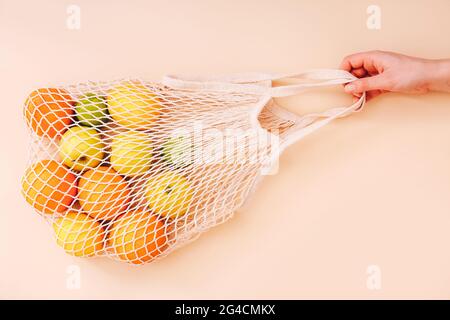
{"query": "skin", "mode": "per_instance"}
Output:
(380, 72)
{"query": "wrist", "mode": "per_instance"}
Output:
(439, 75)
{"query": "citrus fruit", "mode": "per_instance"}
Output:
(78, 234)
(133, 105)
(48, 111)
(131, 153)
(137, 237)
(91, 110)
(49, 186)
(103, 193)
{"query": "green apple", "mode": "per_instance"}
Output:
(178, 151)
(91, 110)
(131, 153)
(169, 194)
(81, 148)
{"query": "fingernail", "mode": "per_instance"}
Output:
(349, 88)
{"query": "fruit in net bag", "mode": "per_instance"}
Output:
(178, 151)
(131, 153)
(137, 237)
(169, 194)
(78, 234)
(49, 111)
(49, 186)
(81, 148)
(147, 167)
(103, 193)
(91, 110)
(133, 105)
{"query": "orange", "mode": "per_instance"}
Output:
(137, 237)
(103, 193)
(49, 186)
(48, 111)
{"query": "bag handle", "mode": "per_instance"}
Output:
(244, 82)
(310, 123)
(323, 77)
(261, 83)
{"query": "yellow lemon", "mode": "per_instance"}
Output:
(131, 153)
(78, 234)
(133, 105)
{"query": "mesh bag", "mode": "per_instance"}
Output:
(132, 169)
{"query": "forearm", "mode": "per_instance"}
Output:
(439, 75)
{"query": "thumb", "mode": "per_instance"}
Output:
(365, 84)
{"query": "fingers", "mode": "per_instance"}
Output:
(373, 86)
(368, 61)
(369, 95)
(369, 67)
(359, 73)
(366, 84)
(372, 94)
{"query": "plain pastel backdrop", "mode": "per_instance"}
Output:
(369, 192)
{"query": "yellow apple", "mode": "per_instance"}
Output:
(81, 148)
(133, 105)
(78, 234)
(131, 153)
(169, 194)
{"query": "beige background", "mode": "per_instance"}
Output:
(372, 189)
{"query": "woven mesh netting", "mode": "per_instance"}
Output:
(133, 170)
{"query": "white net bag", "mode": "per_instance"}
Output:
(132, 169)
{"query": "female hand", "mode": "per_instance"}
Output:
(381, 72)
